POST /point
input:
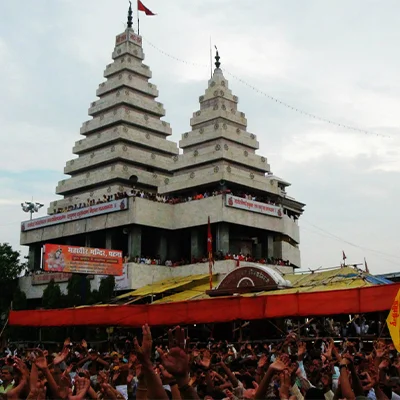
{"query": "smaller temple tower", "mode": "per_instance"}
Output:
(218, 149)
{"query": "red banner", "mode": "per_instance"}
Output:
(82, 260)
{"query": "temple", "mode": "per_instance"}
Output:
(130, 188)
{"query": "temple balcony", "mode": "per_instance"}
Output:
(167, 216)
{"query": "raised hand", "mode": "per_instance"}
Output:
(380, 349)
(176, 362)
(347, 358)
(40, 360)
(250, 393)
(206, 360)
(82, 385)
(144, 352)
(103, 377)
(262, 361)
(61, 356)
(21, 367)
(280, 364)
(301, 349)
(109, 392)
(369, 381)
(284, 388)
(329, 349)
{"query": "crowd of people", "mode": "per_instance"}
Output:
(92, 202)
(217, 257)
(168, 199)
(291, 368)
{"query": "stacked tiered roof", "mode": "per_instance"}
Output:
(125, 141)
(219, 148)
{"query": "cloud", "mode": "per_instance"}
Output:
(32, 146)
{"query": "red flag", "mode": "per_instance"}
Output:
(142, 7)
(344, 255)
(209, 239)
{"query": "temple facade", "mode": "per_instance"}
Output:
(129, 188)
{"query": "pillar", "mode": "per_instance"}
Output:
(87, 240)
(268, 246)
(109, 240)
(278, 249)
(222, 238)
(195, 247)
(162, 247)
(135, 242)
(31, 257)
(257, 250)
(173, 247)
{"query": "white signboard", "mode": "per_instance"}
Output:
(254, 206)
(75, 215)
(122, 281)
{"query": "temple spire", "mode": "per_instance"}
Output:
(217, 58)
(130, 16)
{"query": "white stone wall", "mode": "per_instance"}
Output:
(167, 216)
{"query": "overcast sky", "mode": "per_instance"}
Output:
(337, 59)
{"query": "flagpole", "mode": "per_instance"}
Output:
(138, 20)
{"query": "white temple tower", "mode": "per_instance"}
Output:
(125, 146)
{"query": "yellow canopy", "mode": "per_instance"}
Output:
(163, 286)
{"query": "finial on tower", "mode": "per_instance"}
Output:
(130, 15)
(217, 58)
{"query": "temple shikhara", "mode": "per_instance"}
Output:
(131, 189)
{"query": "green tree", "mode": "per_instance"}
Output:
(106, 289)
(52, 297)
(10, 264)
(10, 269)
(78, 290)
(19, 299)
